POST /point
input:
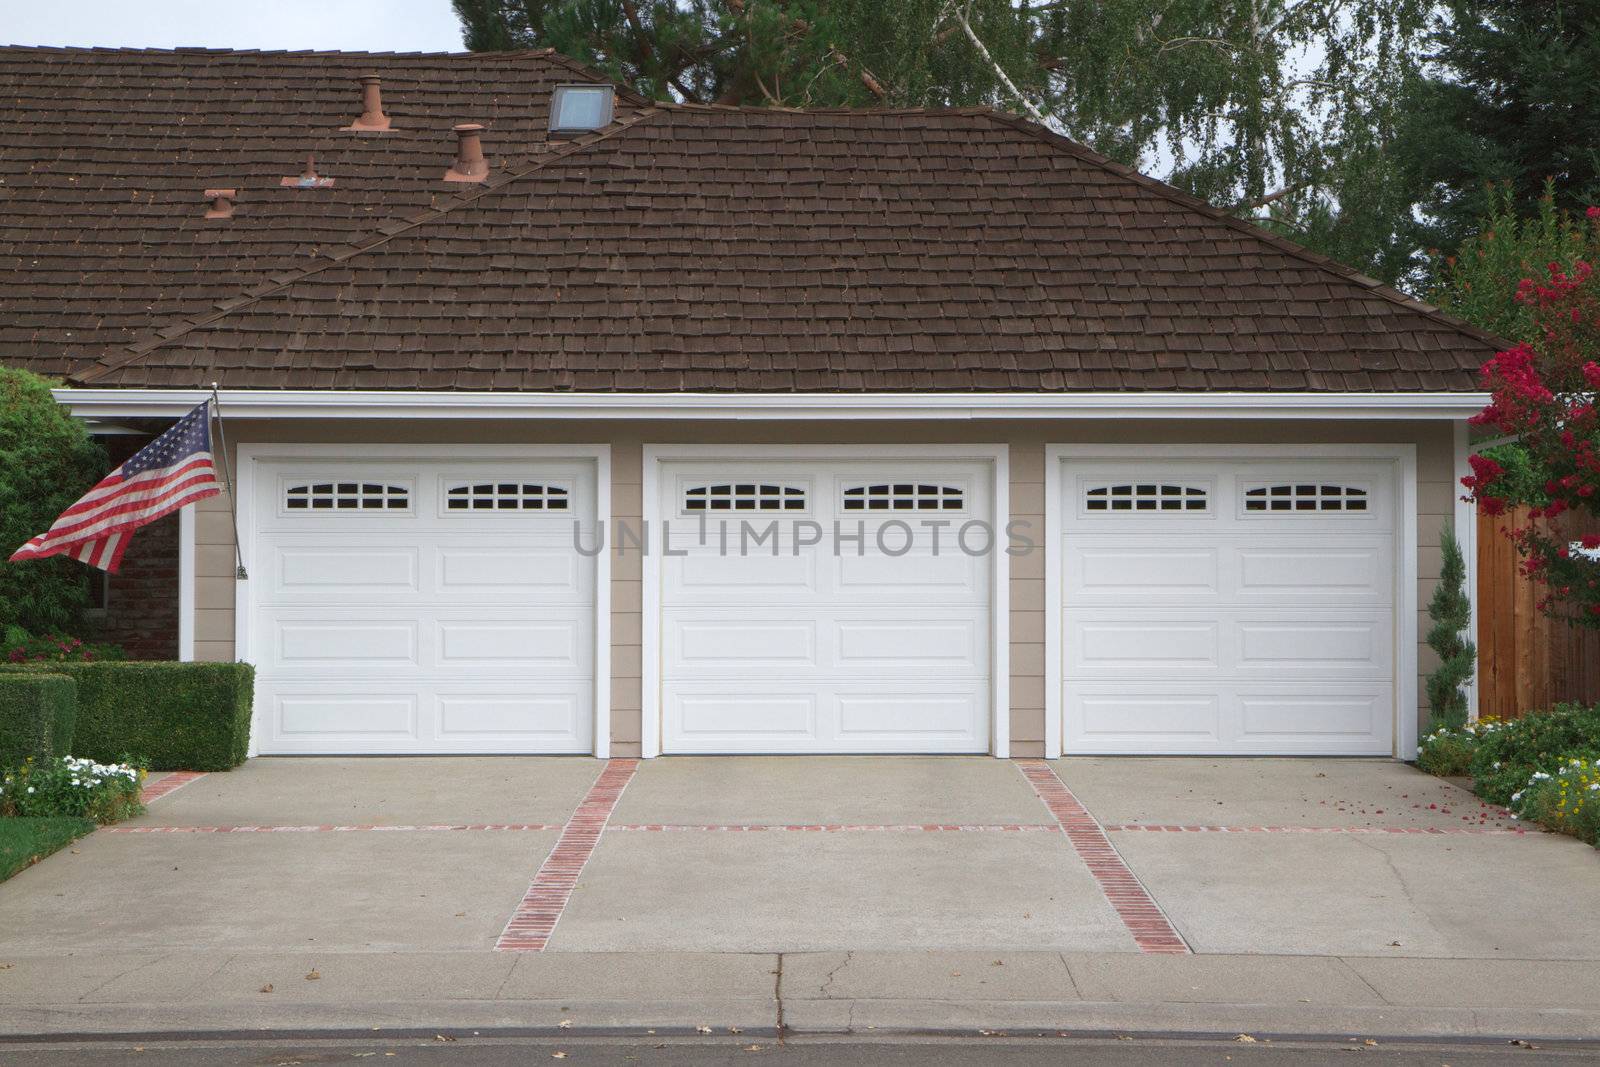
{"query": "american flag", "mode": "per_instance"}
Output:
(163, 476)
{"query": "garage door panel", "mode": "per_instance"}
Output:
(1355, 645)
(923, 574)
(1122, 570)
(1153, 644)
(342, 572)
(812, 651)
(310, 720)
(513, 572)
(948, 715)
(740, 722)
(544, 716)
(1155, 721)
(426, 628)
(704, 644)
(1281, 720)
(552, 644)
(1321, 572)
(703, 577)
(883, 643)
(347, 642)
(1175, 626)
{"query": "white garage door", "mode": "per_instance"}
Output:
(879, 643)
(1224, 606)
(418, 607)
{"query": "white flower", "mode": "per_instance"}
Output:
(1516, 797)
(30, 789)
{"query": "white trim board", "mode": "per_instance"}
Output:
(112, 404)
(244, 471)
(1000, 606)
(1404, 457)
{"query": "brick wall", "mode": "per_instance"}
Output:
(141, 612)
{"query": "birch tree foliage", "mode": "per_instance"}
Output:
(1282, 109)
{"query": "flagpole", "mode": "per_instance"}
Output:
(233, 510)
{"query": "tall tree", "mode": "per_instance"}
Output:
(1284, 109)
(1510, 98)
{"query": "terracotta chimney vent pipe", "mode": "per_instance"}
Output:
(372, 119)
(470, 166)
(221, 206)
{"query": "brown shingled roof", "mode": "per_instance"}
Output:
(720, 249)
(105, 155)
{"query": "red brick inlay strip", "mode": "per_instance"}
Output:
(833, 828)
(1151, 930)
(170, 784)
(1162, 829)
(535, 918)
(326, 828)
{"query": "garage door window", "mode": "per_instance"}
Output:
(507, 496)
(347, 496)
(744, 496)
(1305, 496)
(1145, 496)
(904, 496)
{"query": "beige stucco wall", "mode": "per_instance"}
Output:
(214, 586)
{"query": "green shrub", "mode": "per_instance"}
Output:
(1566, 799)
(36, 717)
(1539, 741)
(171, 716)
(24, 842)
(47, 461)
(1451, 613)
(66, 785)
(1447, 751)
(19, 646)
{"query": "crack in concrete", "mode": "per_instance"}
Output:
(1405, 890)
(777, 996)
(123, 974)
(828, 980)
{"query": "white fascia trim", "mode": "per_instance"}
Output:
(323, 404)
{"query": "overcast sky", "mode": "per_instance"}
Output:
(351, 25)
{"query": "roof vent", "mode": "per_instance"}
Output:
(470, 166)
(581, 108)
(221, 206)
(372, 119)
(308, 178)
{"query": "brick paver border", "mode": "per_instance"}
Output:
(536, 916)
(170, 784)
(1145, 920)
(1167, 829)
(832, 828)
(331, 828)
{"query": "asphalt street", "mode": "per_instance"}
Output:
(1055, 1051)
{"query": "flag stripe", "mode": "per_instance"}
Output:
(173, 470)
(123, 511)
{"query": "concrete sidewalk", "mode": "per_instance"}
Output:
(805, 993)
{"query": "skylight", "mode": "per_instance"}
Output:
(580, 107)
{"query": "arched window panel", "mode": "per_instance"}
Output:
(744, 496)
(904, 496)
(1146, 496)
(507, 496)
(1305, 497)
(347, 496)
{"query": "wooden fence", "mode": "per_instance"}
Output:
(1526, 660)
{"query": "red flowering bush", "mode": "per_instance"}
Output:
(18, 646)
(1543, 394)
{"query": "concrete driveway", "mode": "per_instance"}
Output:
(453, 877)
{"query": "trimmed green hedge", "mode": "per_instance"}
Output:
(36, 716)
(169, 716)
